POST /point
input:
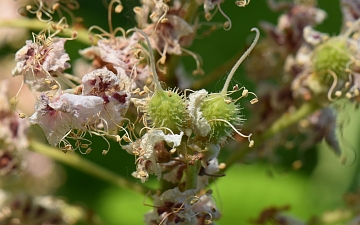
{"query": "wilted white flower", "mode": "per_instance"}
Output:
(57, 116)
(119, 52)
(37, 62)
(201, 126)
(175, 207)
(149, 154)
(114, 90)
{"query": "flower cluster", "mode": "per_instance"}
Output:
(178, 134)
(314, 68)
(130, 95)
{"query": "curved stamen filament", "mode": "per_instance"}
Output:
(152, 60)
(251, 142)
(109, 14)
(227, 25)
(233, 70)
(333, 85)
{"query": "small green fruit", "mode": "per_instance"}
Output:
(167, 109)
(333, 55)
(220, 112)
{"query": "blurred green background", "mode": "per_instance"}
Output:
(247, 188)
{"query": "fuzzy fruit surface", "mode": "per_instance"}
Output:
(167, 109)
(215, 108)
(332, 55)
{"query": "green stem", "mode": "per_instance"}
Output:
(285, 121)
(191, 11)
(34, 24)
(86, 166)
(192, 172)
(171, 64)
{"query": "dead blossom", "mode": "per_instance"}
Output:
(120, 54)
(13, 137)
(104, 100)
(38, 62)
(148, 153)
(176, 207)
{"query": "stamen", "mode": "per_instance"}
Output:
(333, 85)
(227, 25)
(198, 61)
(152, 60)
(251, 142)
(116, 11)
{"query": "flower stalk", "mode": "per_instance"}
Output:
(285, 121)
(36, 25)
(80, 163)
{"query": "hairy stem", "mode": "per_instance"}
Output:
(285, 121)
(36, 25)
(86, 166)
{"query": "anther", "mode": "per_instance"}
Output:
(141, 93)
(338, 93)
(146, 89)
(222, 166)
(126, 139)
(251, 143)
(137, 10)
(56, 6)
(253, 101)
(119, 8)
(356, 92)
(153, 15)
(347, 84)
(88, 150)
(236, 87)
(136, 91)
(245, 93)
(118, 138)
(104, 152)
(84, 145)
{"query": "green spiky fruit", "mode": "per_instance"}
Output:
(216, 109)
(167, 109)
(333, 55)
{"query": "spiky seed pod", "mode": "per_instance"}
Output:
(167, 109)
(217, 109)
(220, 112)
(333, 55)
